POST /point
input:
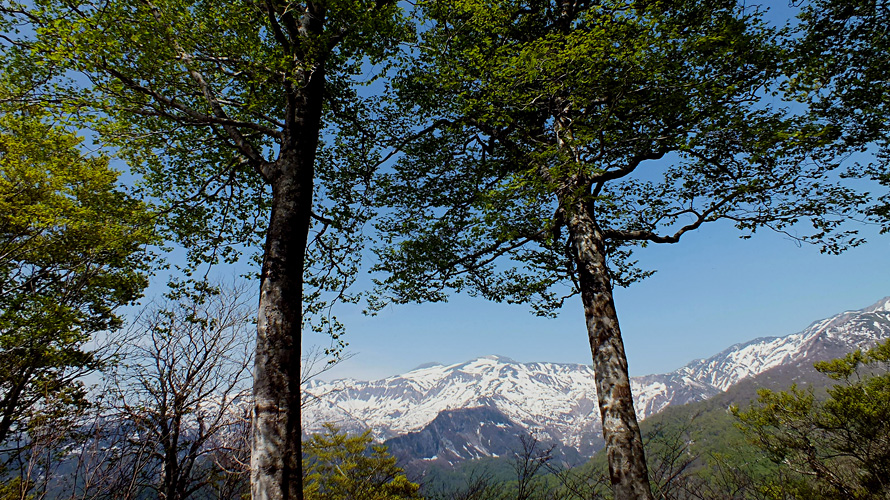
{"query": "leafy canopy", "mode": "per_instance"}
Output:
(337, 466)
(204, 99)
(72, 251)
(656, 117)
(842, 59)
(842, 441)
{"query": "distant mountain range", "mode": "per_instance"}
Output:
(439, 413)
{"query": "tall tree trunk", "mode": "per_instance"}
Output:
(276, 458)
(624, 445)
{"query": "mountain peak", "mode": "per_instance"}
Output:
(881, 305)
(431, 364)
(496, 357)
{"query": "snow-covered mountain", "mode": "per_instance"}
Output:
(824, 339)
(557, 401)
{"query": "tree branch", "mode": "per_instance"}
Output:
(644, 235)
(609, 175)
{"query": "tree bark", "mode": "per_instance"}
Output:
(275, 456)
(624, 444)
(276, 450)
(276, 460)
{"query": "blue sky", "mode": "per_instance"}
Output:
(711, 290)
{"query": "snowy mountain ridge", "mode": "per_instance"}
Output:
(558, 401)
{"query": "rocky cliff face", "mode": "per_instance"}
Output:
(456, 435)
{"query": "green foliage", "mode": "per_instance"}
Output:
(14, 489)
(441, 481)
(531, 471)
(219, 107)
(204, 100)
(72, 250)
(843, 57)
(565, 134)
(696, 451)
(650, 116)
(337, 466)
(843, 441)
(843, 63)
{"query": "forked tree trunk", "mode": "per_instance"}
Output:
(276, 450)
(624, 445)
